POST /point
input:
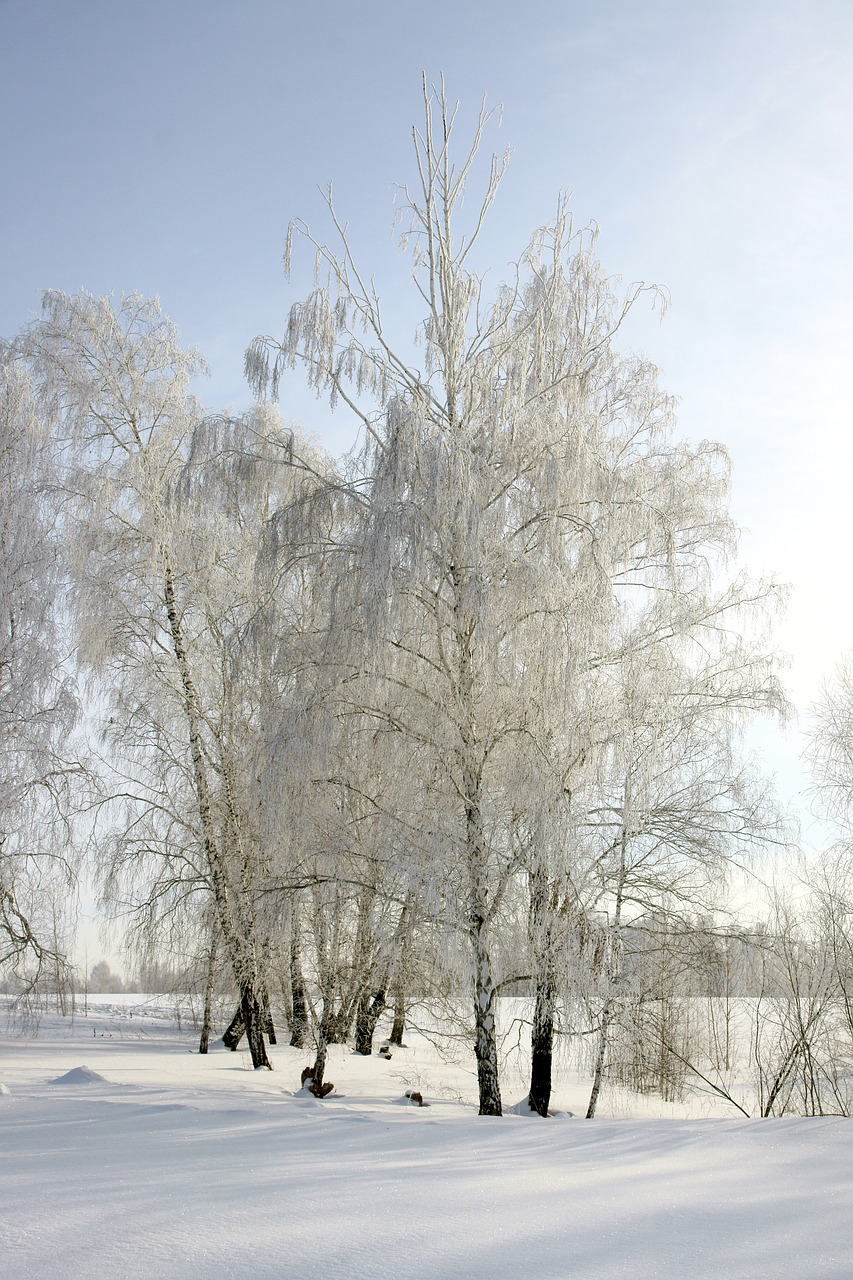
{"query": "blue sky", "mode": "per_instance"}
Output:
(163, 147)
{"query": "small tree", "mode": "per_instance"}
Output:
(103, 981)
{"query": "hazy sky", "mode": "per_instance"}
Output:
(163, 147)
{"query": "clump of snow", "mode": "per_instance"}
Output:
(79, 1075)
(4, 1089)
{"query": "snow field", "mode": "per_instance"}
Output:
(175, 1165)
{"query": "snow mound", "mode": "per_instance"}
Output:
(4, 1089)
(524, 1108)
(79, 1075)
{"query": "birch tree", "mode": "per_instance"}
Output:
(166, 509)
(524, 488)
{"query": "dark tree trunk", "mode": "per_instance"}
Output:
(235, 1030)
(399, 1024)
(253, 1021)
(339, 1024)
(367, 1016)
(399, 970)
(542, 1032)
(249, 1020)
(204, 1038)
(269, 1025)
(299, 1028)
(541, 1046)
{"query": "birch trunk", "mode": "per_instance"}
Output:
(485, 1035)
(207, 1018)
(484, 1023)
(238, 947)
(614, 971)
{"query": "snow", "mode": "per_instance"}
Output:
(79, 1075)
(169, 1164)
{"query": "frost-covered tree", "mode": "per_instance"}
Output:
(165, 509)
(37, 704)
(525, 496)
(102, 980)
(679, 807)
(343, 880)
(830, 748)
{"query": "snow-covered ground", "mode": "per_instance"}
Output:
(176, 1165)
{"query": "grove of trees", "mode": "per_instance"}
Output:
(455, 716)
